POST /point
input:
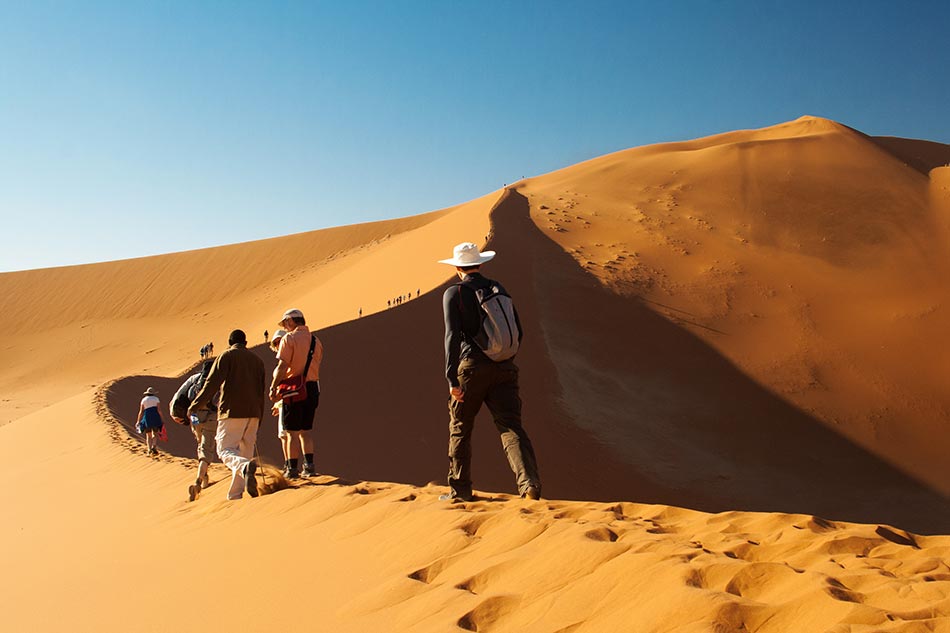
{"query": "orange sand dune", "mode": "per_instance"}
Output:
(748, 324)
(807, 256)
(775, 353)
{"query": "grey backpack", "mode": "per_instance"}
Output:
(499, 335)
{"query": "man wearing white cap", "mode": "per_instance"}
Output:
(482, 336)
(299, 354)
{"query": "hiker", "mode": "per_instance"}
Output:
(482, 335)
(150, 422)
(278, 409)
(265, 335)
(240, 375)
(203, 424)
(203, 351)
(298, 360)
(211, 348)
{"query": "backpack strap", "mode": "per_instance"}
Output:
(306, 369)
(470, 286)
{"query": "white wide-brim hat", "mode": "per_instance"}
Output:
(150, 392)
(467, 254)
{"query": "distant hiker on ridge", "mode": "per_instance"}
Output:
(482, 336)
(241, 376)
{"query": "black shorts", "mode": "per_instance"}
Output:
(298, 416)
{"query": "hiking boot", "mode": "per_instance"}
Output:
(193, 491)
(153, 451)
(308, 471)
(533, 493)
(250, 474)
(290, 473)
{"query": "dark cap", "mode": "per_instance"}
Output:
(237, 336)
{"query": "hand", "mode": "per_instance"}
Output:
(457, 393)
(178, 420)
(272, 394)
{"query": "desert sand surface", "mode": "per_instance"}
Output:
(732, 374)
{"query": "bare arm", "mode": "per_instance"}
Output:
(282, 369)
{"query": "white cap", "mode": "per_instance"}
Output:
(293, 313)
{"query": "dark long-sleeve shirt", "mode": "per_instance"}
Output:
(463, 321)
(242, 378)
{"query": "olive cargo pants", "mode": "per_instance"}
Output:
(495, 384)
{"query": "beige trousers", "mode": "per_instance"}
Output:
(237, 438)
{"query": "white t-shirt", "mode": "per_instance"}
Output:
(150, 401)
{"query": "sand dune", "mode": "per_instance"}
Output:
(748, 324)
(365, 556)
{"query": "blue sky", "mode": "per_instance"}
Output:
(134, 128)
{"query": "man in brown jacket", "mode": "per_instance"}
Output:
(241, 376)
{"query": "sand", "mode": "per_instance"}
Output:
(732, 377)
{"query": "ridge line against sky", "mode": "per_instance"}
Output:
(135, 128)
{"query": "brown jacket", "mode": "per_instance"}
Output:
(241, 376)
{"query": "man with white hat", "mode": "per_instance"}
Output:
(482, 336)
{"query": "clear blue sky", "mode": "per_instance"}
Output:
(133, 128)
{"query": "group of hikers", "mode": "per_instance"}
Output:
(207, 351)
(398, 301)
(224, 402)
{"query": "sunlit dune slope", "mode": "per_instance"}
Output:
(808, 255)
(392, 557)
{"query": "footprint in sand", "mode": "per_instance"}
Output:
(489, 613)
(602, 534)
(837, 590)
